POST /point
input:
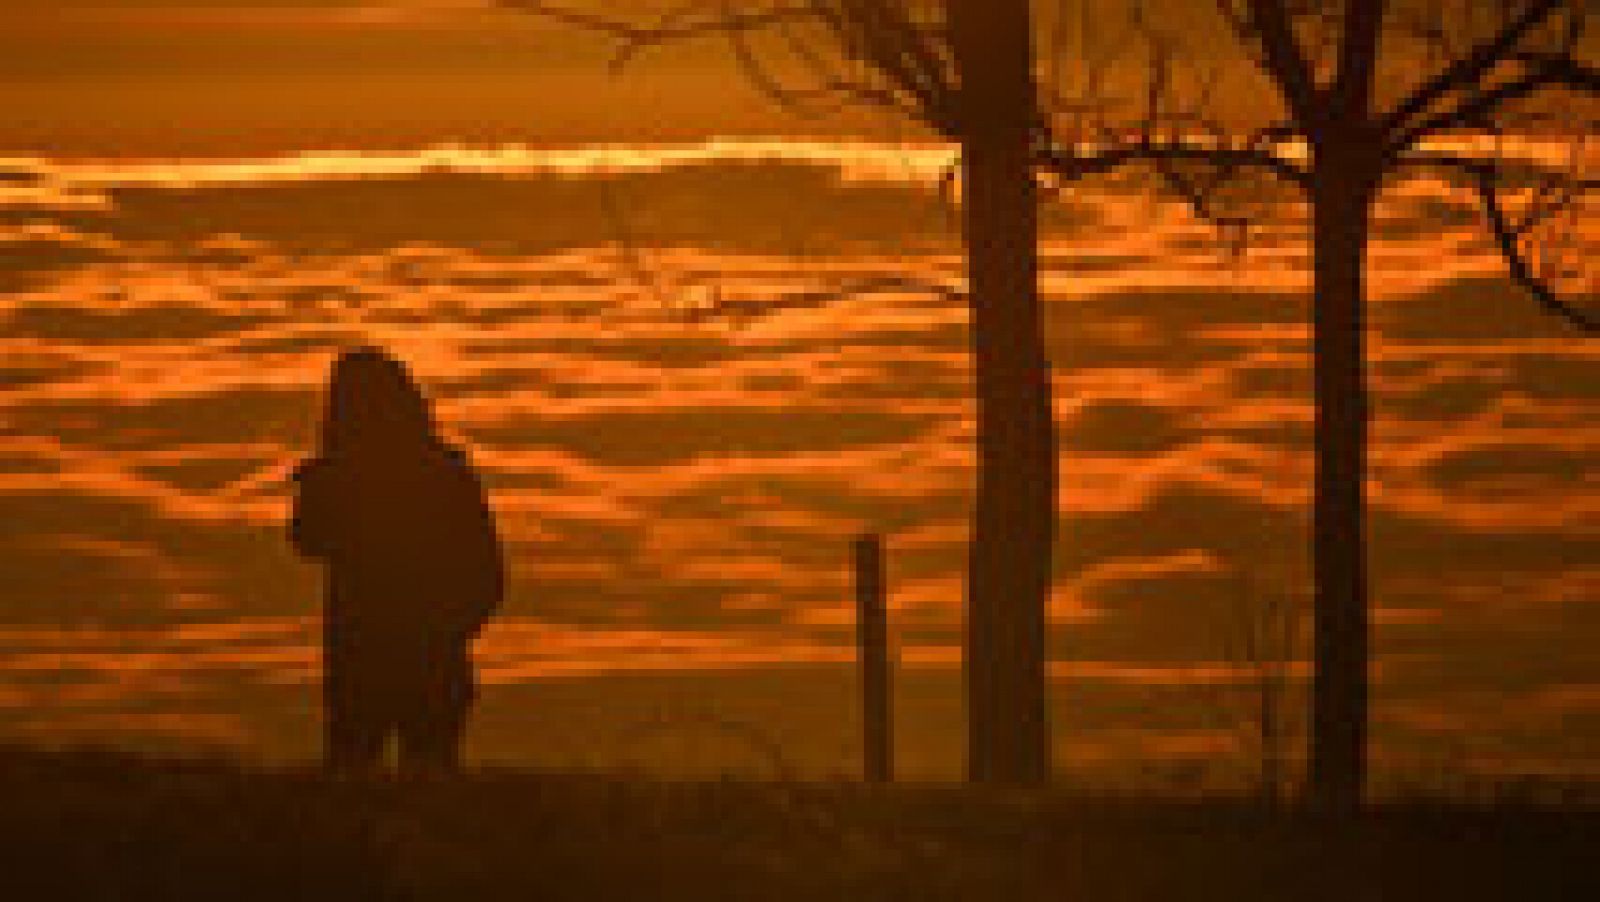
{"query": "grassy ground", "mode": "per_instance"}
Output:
(96, 825)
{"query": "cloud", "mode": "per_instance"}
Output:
(679, 492)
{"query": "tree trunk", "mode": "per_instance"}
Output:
(1342, 199)
(1009, 566)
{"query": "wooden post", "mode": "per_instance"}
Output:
(872, 633)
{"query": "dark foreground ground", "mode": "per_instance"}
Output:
(94, 825)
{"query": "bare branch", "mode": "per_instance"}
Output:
(1555, 195)
(1566, 71)
(1477, 112)
(1269, 25)
(800, 300)
(1072, 164)
(1468, 71)
(632, 36)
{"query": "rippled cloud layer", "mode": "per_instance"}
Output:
(693, 374)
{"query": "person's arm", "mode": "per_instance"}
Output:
(491, 591)
(483, 560)
(308, 525)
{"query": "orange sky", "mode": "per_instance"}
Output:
(168, 327)
(679, 491)
(159, 78)
(160, 82)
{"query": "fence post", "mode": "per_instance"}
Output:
(872, 635)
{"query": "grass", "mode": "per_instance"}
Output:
(102, 825)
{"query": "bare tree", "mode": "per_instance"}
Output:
(1371, 91)
(966, 70)
(1013, 524)
(1362, 92)
(1261, 633)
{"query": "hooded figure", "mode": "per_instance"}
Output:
(398, 519)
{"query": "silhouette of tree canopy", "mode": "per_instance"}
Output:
(1466, 68)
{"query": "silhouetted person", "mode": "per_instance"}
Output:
(399, 520)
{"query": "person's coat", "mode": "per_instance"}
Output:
(408, 541)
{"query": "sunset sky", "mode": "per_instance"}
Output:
(154, 78)
(181, 258)
(157, 78)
